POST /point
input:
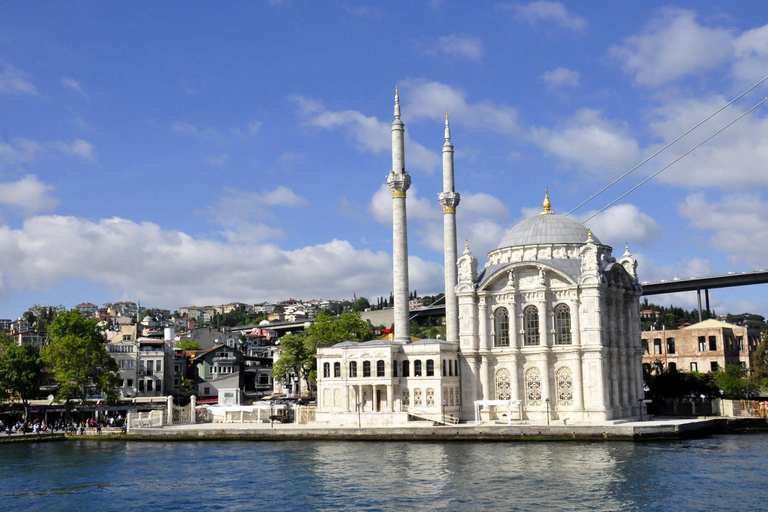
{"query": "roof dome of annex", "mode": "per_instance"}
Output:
(546, 228)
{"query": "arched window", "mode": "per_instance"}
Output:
(450, 368)
(337, 369)
(531, 319)
(564, 381)
(501, 321)
(406, 368)
(456, 367)
(503, 384)
(366, 368)
(326, 370)
(380, 368)
(430, 368)
(394, 368)
(417, 397)
(444, 374)
(353, 369)
(417, 368)
(562, 325)
(533, 386)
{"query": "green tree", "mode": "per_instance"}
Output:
(298, 351)
(732, 380)
(759, 363)
(188, 345)
(361, 304)
(78, 359)
(21, 371)
(294, 358)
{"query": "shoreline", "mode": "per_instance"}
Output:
(656, 430)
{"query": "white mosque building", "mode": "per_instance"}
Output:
(548, 330)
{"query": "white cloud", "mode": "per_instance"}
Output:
(460, 46)
(428, 100)
(219, 160)
(21, 151)
(751, 49)
(480, 218)
(549, 12)
(561, 77)
(15, 81)
(368, 133)
(71, 83)
(27, 195)
(206, 134)
(734, 158)
(596, 144)
(623, 223)
(736, 223)
(142, 259)
(243, 205)
(366, 12)
(78, 147)
(671, 46)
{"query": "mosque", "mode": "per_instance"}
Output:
(548, 330)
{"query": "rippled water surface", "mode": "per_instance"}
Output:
(719, 473)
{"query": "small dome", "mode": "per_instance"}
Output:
(546, 229)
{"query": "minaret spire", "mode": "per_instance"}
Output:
(399, 181)
(449, 199)
(397, 103)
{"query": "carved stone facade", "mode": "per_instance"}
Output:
(552, 317)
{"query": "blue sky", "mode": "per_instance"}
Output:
(199, 153)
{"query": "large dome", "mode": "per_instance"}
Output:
(546, 229)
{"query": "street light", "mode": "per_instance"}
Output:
(547, 400)
(359, 404)
(445, 402)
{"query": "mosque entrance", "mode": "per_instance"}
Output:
(378, 400)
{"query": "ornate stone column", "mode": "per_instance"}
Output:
(575, 322)
(578, 383)
(514, 339)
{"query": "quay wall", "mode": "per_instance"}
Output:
(673, 430)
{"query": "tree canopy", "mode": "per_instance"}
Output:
(21, 371)
(77, 356)
(188, 345)
(298, 351)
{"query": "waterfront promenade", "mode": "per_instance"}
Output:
(672, 428)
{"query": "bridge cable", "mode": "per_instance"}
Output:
(713, 114)
(672, 162)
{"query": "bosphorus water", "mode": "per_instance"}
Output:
(718, 473)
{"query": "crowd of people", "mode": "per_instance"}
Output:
(72, 427)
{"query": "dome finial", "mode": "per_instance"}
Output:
(547, 204)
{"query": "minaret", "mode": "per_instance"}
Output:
(450, 200)
(399, 181)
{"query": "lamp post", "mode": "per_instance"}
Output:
(359, 405)
(547, 400)
(445, 402)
